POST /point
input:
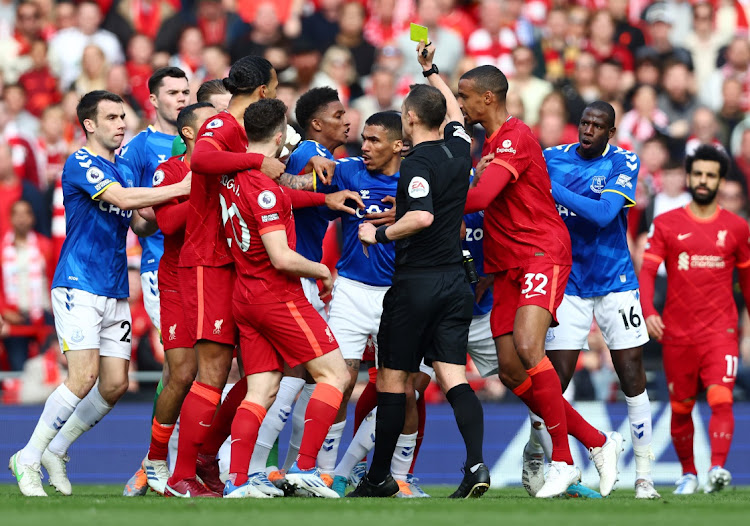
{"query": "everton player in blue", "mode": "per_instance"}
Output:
(593, 184)
(323, 118)
(169, 93)
(90, 290)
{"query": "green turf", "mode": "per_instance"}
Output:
(101, 505)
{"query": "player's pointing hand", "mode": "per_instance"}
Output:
(324, 168)
(655, 326)
(338, 201)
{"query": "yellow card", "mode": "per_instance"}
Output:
(418, 33)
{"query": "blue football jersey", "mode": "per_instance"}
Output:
(144, 153)
(473, 243)
(377, 269)
(93, 256)
(601, 258)
(310, 223)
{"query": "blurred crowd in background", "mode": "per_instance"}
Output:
(677, 73)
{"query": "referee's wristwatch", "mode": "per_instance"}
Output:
(428, 72)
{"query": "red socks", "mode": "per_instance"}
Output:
(547, 392)
(195, 418)
(367, 400)
(721, 425)
(682, 436)
(422, 412)
(160, 434)
(320, 415)
(245, 428)
(222, 424)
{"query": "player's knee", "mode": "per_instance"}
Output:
(113, 389)
(181, 377)
(682, 407)
(719, 396)
(80, 382)
(511, 379)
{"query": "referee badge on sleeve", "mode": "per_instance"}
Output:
(419, 188)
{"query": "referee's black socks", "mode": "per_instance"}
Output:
(470, 419)
(389, 423)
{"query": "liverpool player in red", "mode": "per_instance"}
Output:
(206, 271)
(701, 245)
(276, 321)
(527, 247)
(178, 344)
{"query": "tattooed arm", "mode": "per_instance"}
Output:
(299, 182)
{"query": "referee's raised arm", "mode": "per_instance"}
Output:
(431, 72)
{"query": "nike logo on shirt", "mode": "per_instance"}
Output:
(680, 237)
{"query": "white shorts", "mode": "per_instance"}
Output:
(150, 287)
(354, 315)
(482, 347)
(87, 321)
(310, 287)
(618, 315)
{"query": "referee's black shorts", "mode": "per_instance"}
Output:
(426, 314)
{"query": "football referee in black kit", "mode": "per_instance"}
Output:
(428, 309)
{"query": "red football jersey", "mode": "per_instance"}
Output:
(172, 171)
(204, 238)
(700, 256)
(254, 205)
(522, 221)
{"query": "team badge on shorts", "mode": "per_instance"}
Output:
(77, 335)
(550, 335)
(172, 332)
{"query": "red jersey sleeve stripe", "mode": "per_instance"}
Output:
(271, 229)
(553, 292)
(657, 259)
(305, 328)
(507, 166)
(743, 265)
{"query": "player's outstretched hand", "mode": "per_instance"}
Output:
(184, 185)
(655, 326)
(337, 201)
(425, 61)
(272, 167)
(324, 168)
(327, 282)
(384, 218)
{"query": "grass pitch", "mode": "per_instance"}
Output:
(102, 506)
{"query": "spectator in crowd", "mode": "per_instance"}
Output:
(38, 82)
(552, 112)
(42, 374)
(659, 22)
(337, 71)
(557, 53)
(305, 60)
(217, 62)
(64, 15)
(15, 47)
(117, 83)
(138, 64)
(429, 13)
(582, 88)
(602, 44)
(459, 20)
(741, 155)
(381, 95)
(704, 42)
(737, 66)
(15, 98)
(217, 26)
(643, 121)
(351, 37)
(13, 188)
(50, 148)
(27, 267)
(733, 197)
(673, 194)
(730, 114)
(495, 39)
(678, 101)
(609, 80)
(388, 18)
(626, 34)
(23, 161)
(704, 129)
(322, 26)
(128, 18)
(531, 89)
(94, 69)
(189, 56)
(265, 31)
(67, 46)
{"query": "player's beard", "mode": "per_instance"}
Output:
(703, 199)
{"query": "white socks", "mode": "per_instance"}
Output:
(329, 451)
(403, 456)
(274, 422)
(298, 425)
(57, 410)
(361, 445)
(86, 415)
(539, 438)
(639, 415)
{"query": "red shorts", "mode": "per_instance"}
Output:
(692, 368)
(274, 333)
(541, 283)
(176, 333)
(207, 303)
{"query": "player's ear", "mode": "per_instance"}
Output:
(188, 132)
(262, 90)
(153, 100)
(398, 146)
(612, 132)
(489, 97)
(317, 126)
(89, 125)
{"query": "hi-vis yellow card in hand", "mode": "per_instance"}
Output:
(418, 33)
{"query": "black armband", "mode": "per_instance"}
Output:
(380, 235)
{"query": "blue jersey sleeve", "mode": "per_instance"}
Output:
(303, 153)
(83, 175)
(625, 168)
(131, 152)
